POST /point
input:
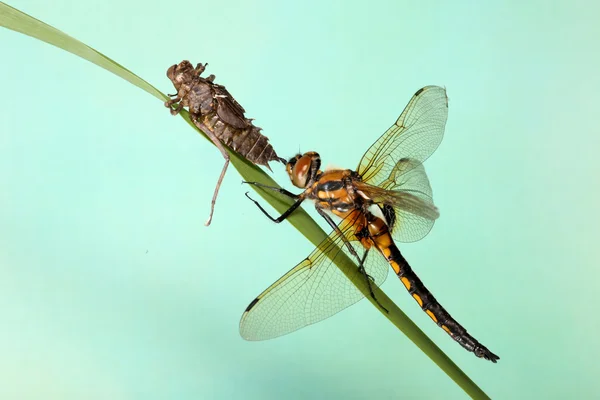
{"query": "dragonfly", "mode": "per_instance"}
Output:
(215, 112)
(387, 199)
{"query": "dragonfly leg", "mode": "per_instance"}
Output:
(177, 109)
(282, 216)
(369, 279)
(275, 189)
(352, 250)
(199, 69)
(225, 154)
(169, 103)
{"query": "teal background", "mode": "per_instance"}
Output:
(112, 288)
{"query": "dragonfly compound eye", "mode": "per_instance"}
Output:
(299, 170)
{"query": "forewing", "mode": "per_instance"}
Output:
(312, 291)
(415, 135)
(407, 191)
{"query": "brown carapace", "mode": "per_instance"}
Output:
(215, 112)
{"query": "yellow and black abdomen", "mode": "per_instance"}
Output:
(381, 237)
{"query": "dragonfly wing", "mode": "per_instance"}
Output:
(312, 291)
(414, 218)
(408, 192)
(416, 134)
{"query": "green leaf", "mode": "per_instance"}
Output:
(14, 19)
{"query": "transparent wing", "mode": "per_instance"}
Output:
(415, 135)
(406, 200)
(312, 291)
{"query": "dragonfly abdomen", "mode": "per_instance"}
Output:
(423, 296)
(249, 142)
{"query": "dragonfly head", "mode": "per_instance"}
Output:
(303, 169)
(180, 73)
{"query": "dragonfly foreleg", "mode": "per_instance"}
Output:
(169, 104)
(177, 109)
(275, 189)
(282, 216)
(352, 250)
(213, 138)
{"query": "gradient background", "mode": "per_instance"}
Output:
(112, 288)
